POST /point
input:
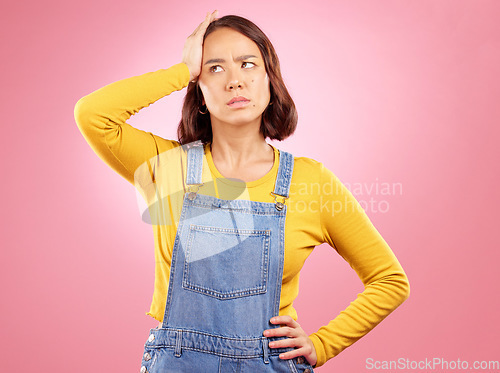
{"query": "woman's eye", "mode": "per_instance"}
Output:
(213, 69)
(247, 64)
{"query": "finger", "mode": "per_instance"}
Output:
(285, 320)
(289, 342)
(210, 17)
(284, 331)
(292, 354)
(202, 27)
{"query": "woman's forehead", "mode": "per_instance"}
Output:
(226, 42)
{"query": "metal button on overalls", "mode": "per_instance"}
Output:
(225, 281)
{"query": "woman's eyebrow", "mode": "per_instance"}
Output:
(240, 58)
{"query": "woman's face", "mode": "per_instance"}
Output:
(233, 66)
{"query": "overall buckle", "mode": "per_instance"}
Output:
(192, 190)
(280, 205)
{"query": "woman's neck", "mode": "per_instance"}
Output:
(243, 158)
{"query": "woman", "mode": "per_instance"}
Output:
(227, 265)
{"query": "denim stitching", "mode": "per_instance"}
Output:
(243, 232)
(243, 209)
(170, 342)
(221, 354)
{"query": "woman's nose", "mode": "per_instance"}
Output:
(234, 81)
(234, 84)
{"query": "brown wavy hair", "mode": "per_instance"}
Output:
(279, 119)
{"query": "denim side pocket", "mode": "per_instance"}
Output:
(148, 359)
(217, 261)
(301, 365)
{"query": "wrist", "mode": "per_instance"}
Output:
(190, 69)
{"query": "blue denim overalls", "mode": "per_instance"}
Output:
(225, 283)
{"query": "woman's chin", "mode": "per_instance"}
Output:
(237, 121)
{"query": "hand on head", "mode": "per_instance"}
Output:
(193, 48)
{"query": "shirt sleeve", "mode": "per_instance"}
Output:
(101, 117)
(350, 232)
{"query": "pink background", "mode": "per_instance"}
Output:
(399, 92)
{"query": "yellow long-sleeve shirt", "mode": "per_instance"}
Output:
(320, 208)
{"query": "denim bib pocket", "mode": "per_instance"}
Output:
(216, 261)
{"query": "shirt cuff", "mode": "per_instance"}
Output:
(320, 350)
(184, 71)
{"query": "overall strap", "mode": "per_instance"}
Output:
(283, 179)
(195, 152)
(194, 163)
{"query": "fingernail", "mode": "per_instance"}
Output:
(266, 333)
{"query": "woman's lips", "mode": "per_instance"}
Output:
(239, 101)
